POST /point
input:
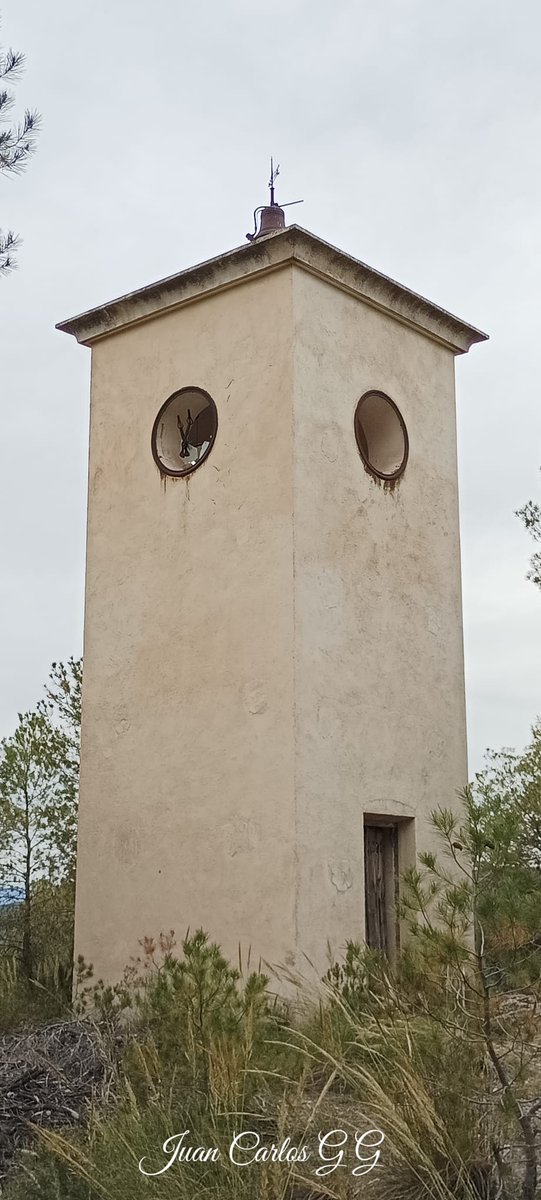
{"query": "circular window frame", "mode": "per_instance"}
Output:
(164, 470)
(388, 477)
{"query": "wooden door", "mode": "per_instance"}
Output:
(374, 887)
(380, 882)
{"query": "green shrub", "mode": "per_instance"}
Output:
(47, 994)
(210, 1053)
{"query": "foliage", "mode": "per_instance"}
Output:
(62, 708)
(208, 1054)
(17, 141)
(507, 798)
(39, 768)
(36, 801)
(63, 700)
(197, 1030)
(530, 516)
(455, 984)
(47, 993)
(361, 977)
(191, 1005)
(31, 1002)
(37, 813)
(52, 908)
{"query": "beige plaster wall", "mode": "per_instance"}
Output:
(380, 716)
(186, 815)
(273, 646)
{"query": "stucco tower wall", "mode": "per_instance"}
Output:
(187, 804)
(379, 698)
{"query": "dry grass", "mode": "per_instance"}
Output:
(342, 1071)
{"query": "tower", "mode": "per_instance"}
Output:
(273, 697)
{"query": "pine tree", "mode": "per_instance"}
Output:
(17, 141)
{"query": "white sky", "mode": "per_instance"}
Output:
(411, 129)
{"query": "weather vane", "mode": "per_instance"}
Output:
(273, 176)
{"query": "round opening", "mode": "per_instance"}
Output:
(184, 431)
(381, 435)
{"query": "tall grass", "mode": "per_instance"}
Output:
(210, 1054)
(29, 1001)
(47, 994)
(419, 1158)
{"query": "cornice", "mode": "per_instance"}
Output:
(293, 245)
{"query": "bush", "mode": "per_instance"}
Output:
(47, 994)
(210, 1053)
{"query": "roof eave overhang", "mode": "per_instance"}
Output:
(293, 245)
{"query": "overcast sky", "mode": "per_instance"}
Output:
(412, 130)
